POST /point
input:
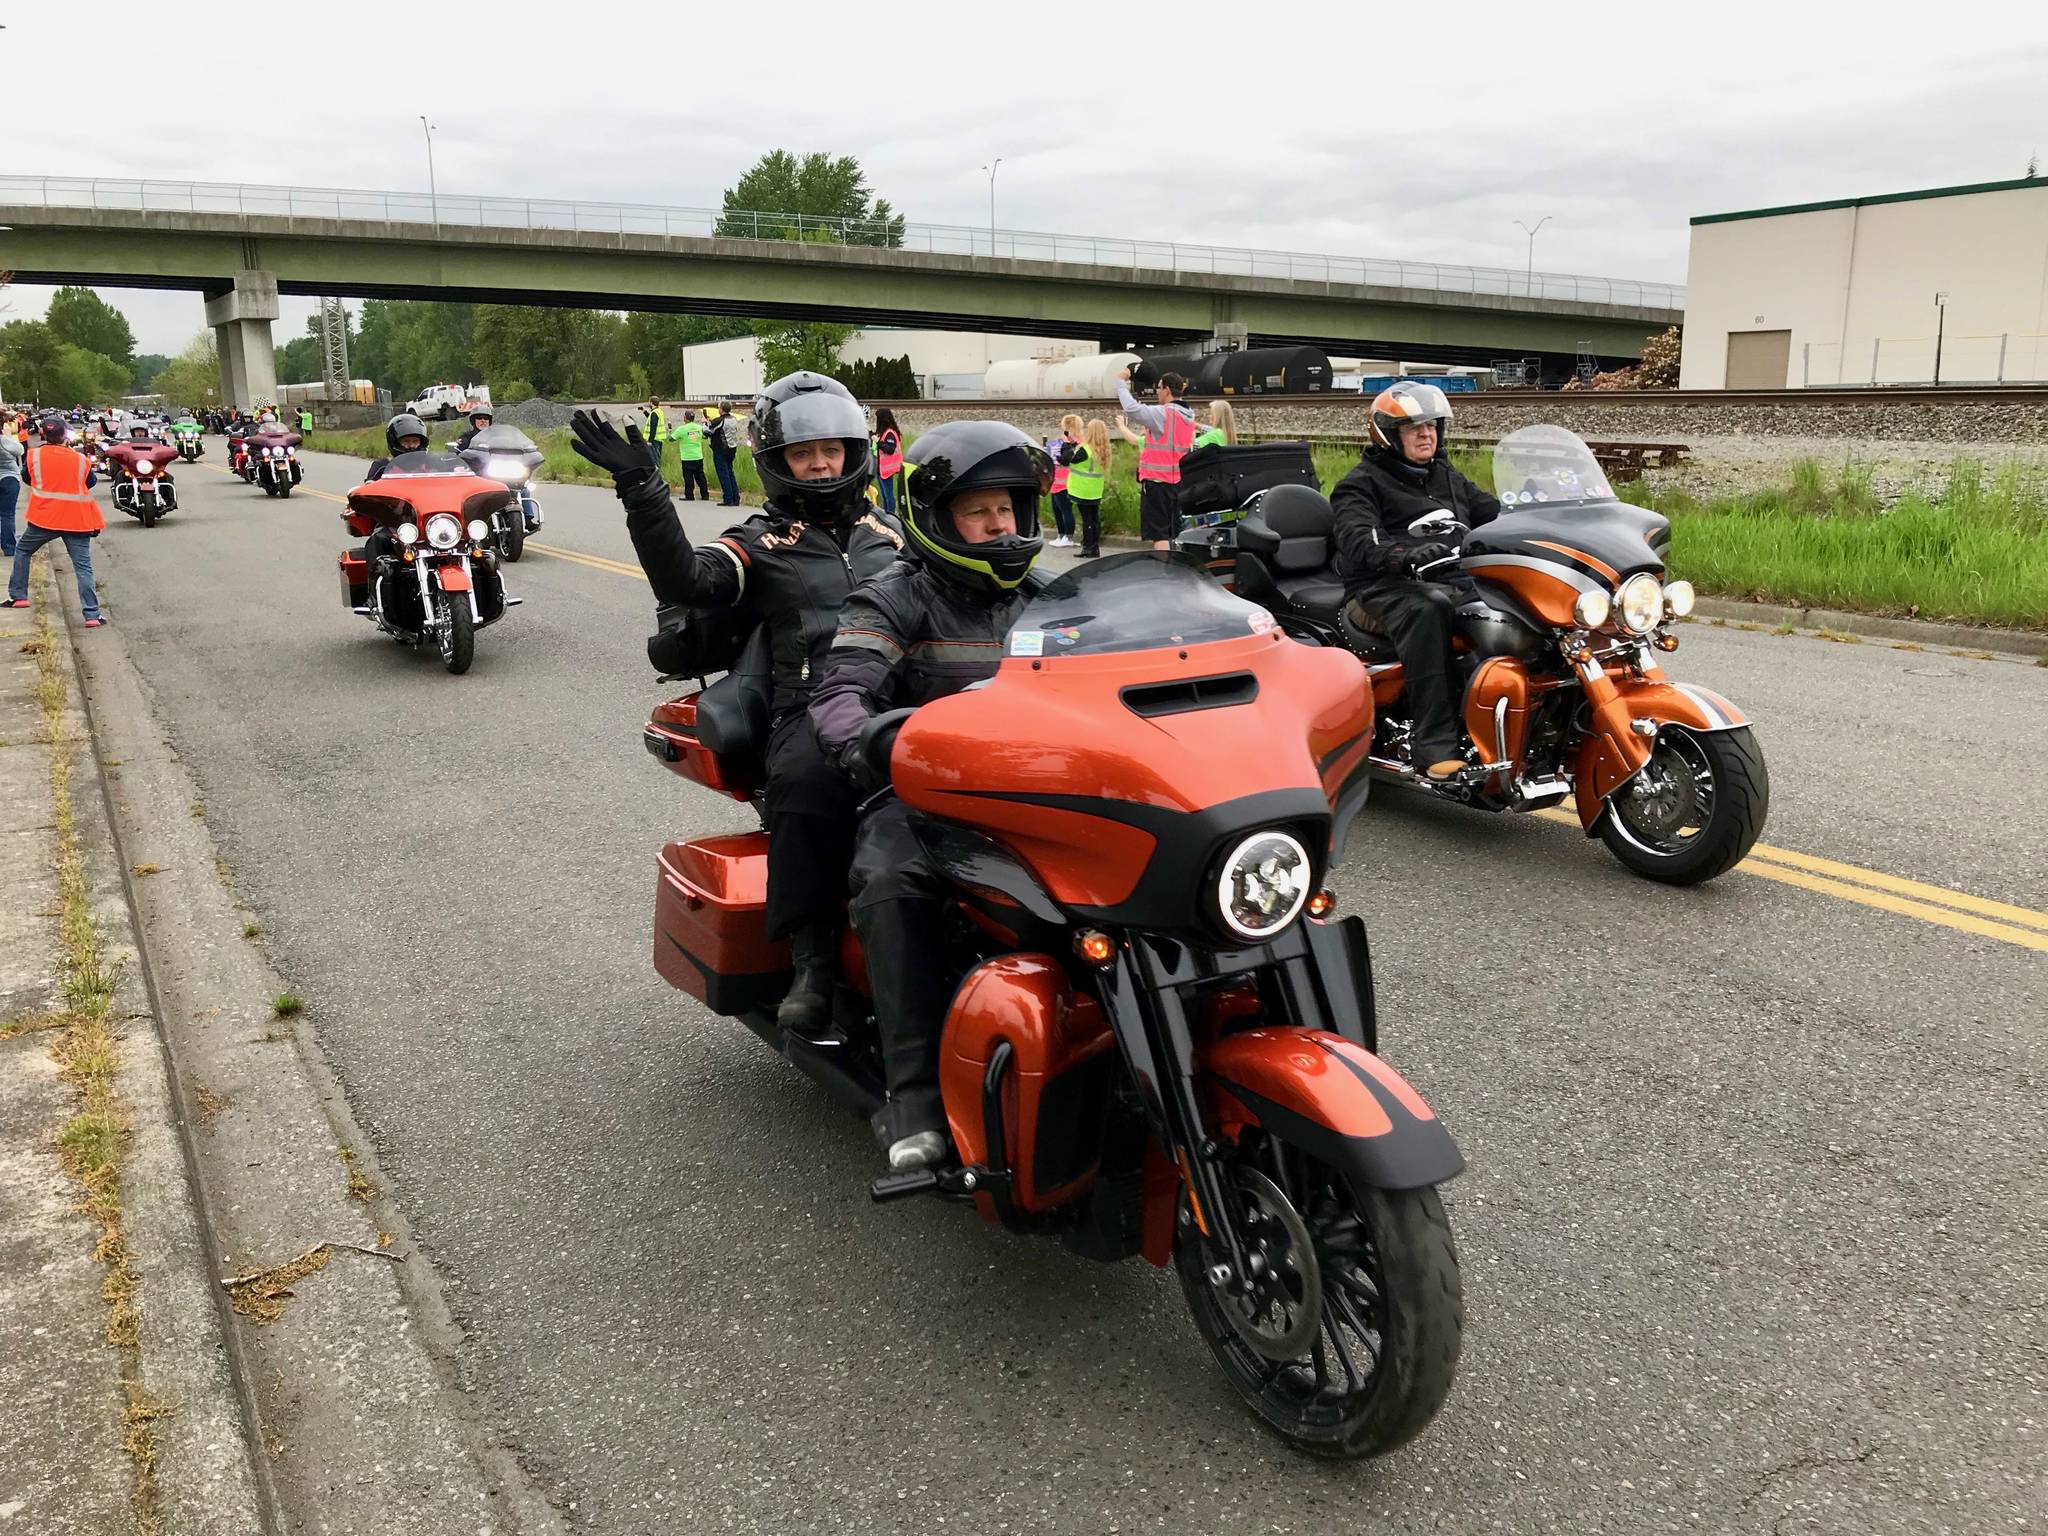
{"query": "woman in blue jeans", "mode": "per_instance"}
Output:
(10, 481)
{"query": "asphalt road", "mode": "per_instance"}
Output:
(1753, 1234)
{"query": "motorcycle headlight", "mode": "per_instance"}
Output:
(479, 530)
(444, 530)
(504, 469)
(1592, 609)
(1264, 884)
(408, 533)
(144, 467)
(1641, 604)
(1678, 598)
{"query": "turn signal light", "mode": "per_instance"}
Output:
(1322, 904)
(1667, 642)
(1094, 946)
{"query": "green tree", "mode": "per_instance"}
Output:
(147, 366)
(403, 345)
(193, 376)
(885, 378)
(83, 318)
(81, 375)
(786, 348)
(656, 343)
(29, 352)
(825, 192)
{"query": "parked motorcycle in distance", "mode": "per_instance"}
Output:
(426, 570)
(1165, 1042)
(1558, 652)
(274, 460)
(507, 455)
(188, 437)
(143, 487)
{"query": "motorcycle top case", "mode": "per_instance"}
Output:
(711, 924)
(1225, 475)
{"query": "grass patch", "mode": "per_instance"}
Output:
(361, 1188)
(250, 930)
(285, 1004)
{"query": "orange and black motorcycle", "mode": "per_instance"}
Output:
(1163, 1043)
(1558, 648)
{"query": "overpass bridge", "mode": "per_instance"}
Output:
(241, 246)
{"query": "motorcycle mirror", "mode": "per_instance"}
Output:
(1439, 520)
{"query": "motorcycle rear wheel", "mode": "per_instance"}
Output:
(458, 633)
(1391, 1304)
(1709, 793)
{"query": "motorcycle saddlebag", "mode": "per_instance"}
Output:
(1223, 475)
(355, 580)
(711, 924)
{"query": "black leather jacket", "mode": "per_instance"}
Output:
(792, 575)
(907, 637)
(1377, 501)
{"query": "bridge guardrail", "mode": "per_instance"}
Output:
(540, 213)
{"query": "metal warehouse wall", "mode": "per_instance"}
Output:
(1852, 286)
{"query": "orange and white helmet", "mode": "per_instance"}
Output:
(1408, 404)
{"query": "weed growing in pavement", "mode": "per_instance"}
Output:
(93, 1143)
(250, 930)
(360, 1187)
(1786, 629)
(285, 1004)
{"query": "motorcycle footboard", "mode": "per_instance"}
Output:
(711, 924)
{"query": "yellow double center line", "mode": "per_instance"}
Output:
(1828, 877)
(1888, 893)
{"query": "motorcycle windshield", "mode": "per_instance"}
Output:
(426, 462)
(1550, 467)
(1148, 600)
(502, 439)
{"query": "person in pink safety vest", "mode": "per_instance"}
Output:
(1169, 432)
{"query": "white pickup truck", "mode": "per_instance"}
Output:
(444, 402)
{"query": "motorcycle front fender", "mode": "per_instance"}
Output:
(1337, 1101)
(1611, 755)
(451, 578)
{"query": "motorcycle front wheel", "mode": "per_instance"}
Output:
(512, 539)
(1350, 1349)
(148, 516)
(458, 632)
(1694, 810)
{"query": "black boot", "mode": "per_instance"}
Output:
(807, 1008)
(911, 991)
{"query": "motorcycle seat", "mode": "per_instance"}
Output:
(1317, 592)
(1366, 640)
(733, 714)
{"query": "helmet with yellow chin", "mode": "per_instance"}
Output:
(947, 463)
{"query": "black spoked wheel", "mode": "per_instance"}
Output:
(458, 632)
(512, 538)
(1695, 809)
(1346, 1341)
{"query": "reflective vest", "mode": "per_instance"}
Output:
(1210, 437)
(1084, 480)
(654, 426)
(57, 497)
(891, 455)
(690, 442)
(305, 421)
(1160, 458)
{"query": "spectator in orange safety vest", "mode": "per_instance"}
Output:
(60, 506)
(1169, 432)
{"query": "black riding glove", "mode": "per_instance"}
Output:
(1426, 554)
(854, 764)
(627, 458)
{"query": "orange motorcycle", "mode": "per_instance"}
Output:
(1559, 646)
(1163, 1043)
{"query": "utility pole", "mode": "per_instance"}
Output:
(991, 169)
(1529, 276)
(1940, 326)
(433, 190)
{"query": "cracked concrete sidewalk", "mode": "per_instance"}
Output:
(64, 1387)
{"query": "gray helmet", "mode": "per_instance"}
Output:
(805, 407)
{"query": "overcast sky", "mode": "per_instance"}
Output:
(1360, 129)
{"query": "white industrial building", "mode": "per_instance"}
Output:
(1868, 290)
(948, 364)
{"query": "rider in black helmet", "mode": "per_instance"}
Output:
(789, 568)
(924, 628)
(403, 433)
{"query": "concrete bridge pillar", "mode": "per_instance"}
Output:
(241, 332)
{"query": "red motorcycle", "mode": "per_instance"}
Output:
(426, 570)
(143, 487)
(1164, 1043)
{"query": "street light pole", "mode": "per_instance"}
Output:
(1529, 276)
(991, 169)
(433, 190)
(1940, 326)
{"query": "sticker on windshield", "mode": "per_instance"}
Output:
(1028, 642)
(1260, 621)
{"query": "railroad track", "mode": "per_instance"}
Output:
(2001, 394)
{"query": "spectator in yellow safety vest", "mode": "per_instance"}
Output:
(689, 435)
(1169, 432)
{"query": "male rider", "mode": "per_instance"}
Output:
(920, 630)
(1404, 473)
(789, 567)
(403, 433)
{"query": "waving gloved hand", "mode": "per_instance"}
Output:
(628, 458)
(1427, 554)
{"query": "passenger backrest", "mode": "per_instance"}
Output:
(1290, 531)
(733, 713)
